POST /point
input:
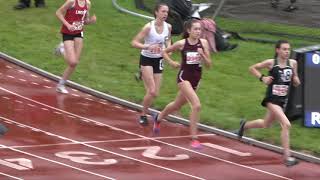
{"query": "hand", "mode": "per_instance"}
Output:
(267, 80)
(155, 48)
(93, 19)
(71, 27)
(174, 64)
(201, 52)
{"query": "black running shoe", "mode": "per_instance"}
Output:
(3, 130)
(290, 161)
(241, 129)
(143, 120)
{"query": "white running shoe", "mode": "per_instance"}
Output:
(59, 50)
(62, 89)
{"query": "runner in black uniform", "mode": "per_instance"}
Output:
(282, 72)
(195, 52)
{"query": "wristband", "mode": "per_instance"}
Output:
(260, 79)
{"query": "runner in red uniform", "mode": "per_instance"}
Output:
(195, 52)
(73, 14)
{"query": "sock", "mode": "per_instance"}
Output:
(62, 82)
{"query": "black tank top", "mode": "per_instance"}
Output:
(191, 59)
(279, 88)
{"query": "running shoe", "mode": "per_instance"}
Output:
(156, 124)
(143, 120)
(290, 8)
(59, 50)
(239, 132)
(195, 144)
(62, 89)
(290, 161)
(138, 76)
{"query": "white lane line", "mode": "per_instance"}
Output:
(122, 130)
(34, 75)
(34, 83)
(101, 149)
(31, 105)
(45, 109)
(48, 87)
(13, 177)
(106, 141)
(8, 66)
(18, 101)
(10, 77)
(56, 162)
(21, 71)
(6, 97)
(46, 80)
(23, 80)
(103, 103)
(89, 99)
(76, 95)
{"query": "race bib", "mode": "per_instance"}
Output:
(280, 90)
(78, 25)
(193, 58)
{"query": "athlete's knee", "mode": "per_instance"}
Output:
(196, 107)
(153, 93)
(266, 124)
(73, 63)
(286, 125)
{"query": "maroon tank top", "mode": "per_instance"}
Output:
(75, 15)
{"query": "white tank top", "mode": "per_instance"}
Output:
(155, 38)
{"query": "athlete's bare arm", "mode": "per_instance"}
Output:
(295, 78)
(205, 53)
(168, 41)
(60, 13)
(88, 19)
(138, 39)
(255, 70)
(176, 46)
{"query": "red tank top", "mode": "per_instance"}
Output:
(191, 59)
(75, 15)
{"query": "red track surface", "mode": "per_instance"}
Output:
(78, 136)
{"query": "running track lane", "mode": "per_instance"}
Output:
(78, 136)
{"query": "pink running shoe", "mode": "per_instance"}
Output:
(156, 124)
(195, 144)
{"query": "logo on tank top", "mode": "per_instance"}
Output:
(285, 75)
(81, 12)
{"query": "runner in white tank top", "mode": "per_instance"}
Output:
(152, 39)
(155, 38)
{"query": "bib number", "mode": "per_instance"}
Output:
(193, 58)
(280, 90)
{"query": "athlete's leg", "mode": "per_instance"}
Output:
(150, 87)
(189, 93)
(261, 123)
(173, 106)
(285, 125)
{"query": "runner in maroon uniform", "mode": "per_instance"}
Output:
(73, 14)
(195, 52)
